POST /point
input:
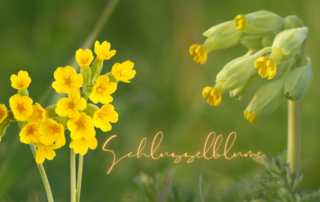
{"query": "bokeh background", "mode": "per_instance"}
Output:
(39, 36)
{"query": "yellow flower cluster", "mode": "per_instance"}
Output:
(45, 127)
(275, 50)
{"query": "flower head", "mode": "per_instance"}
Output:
(267, 67)
(21, 107)
(199, 53)
(38, 115)
(102, 89)
(67, 80)
(213, 95)
(70, 106)
(52, 132)
(3, 113)
(81, 146)
(45, 152)
(84, 58)
(103, 51)
(21, 81)
(102, 117)
(81, 127)
(123, 72)
(30, 133)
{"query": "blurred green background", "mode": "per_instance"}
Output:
(39, 36)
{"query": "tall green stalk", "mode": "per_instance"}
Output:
(79, 180)
(293, 156)
(73, 175)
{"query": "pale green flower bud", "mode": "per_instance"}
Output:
(292, 21)
(3, 127)
(96, 70)
(257, 42)
(267, 40)
(86, 74)
(298, 81)
(284, 67)
(237, 72)
(51, 110)
(90, 109)
(260, 22)
(266, 100)
(239, 92)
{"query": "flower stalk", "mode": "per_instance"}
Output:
(73, 175)
(79, 180)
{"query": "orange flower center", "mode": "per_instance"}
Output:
(20, 107)
(2, 114)
(80, 124)
(68, 81)
(71, 105)
(30, 130)
(56, 129)
(100, 115)
(99, 90)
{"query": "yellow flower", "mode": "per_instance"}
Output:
(103, 51)
(45, 151)
(199, 52)
(52, 132)
(67, 80)
(81, 127)
(3, 113)
(30, 133)
(82, 145)
(240, 22)
(21, 81)
(38, 115)
(250, 116)
(84, 58)
(102, 89)
(102, 117)
(213, 95)
(123, 72)
(21, 107)
(70, 106)
(267, 67)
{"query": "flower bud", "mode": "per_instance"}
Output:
(252, 42)
(86, 74)
(298, 81)
(260, 22)
(292, 21)
(51, 111)
(266, 100)
(3, 127)
(96, 70)
(238, 93)
(90, 109)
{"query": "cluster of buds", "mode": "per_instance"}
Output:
(275, 50)
(44, 127)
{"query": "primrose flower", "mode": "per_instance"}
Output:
(84, 58)
(298, 81)
(67, 80)
(213, 95)
(45, 152)
(103, 51)
(123, 72)
(286, 44)
(3, 113)
(260, 22)
(38, 115)
(30, 133)
(21, 107)
(81, 146)
(81, 127)
(220, 36)
(70, 106)
(102, 89)
(21, 81)
(52, 132)
(102, 117)
(266, 100)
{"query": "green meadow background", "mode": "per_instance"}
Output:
(39, 36)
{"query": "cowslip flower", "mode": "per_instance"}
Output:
(220, 36)
(102, 89)
(81, 146)
(123, 72)
(259, 22)
(286, 44)
(38, 115)
(213, 95)
(67, 80)
(70, 106)
(45, 152)
(102, 117)
(21, 107)
(266, 100)
(52, 132)
(3, 113)
(30, 133)
(103, 51)
(21, 81)
(81, 127)
(84, 58)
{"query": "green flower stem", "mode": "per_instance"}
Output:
(293, 156)
(73, 175)
(43, 175)
(79, 181)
